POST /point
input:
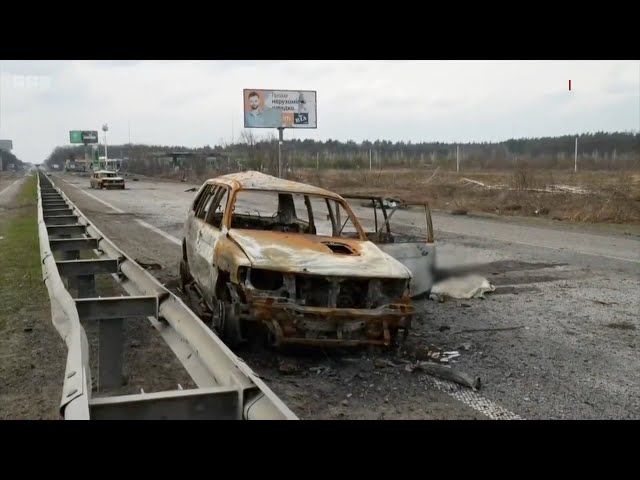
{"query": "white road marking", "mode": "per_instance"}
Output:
(171, 238)
(541, 246)
(94, 197)
(473, 400)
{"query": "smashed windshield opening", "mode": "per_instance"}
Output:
(292, 213)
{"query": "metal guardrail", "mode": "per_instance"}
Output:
(227, 387)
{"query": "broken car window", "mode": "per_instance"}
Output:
(343, 221)
(292, 212)
(271, 210)
(218, 207)
(205, 201)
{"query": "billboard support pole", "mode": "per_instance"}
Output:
(280, 140)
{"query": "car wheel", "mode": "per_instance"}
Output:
(225, 319)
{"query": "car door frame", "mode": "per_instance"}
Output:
(202, 237)
(417, 255)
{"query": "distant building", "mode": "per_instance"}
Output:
(79, 165)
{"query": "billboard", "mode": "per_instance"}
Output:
(280, 108)
(6, 145)
(83, 136)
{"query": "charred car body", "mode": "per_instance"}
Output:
(106, 179)
(261, 251)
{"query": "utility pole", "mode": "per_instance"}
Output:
(105, 128)
(129, 145)
(280, 141)
(317, 160)
(575, 164)
(369, 159)
(458, 158)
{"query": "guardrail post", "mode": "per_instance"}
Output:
(110, 352)
(86, 286)
(72, 281)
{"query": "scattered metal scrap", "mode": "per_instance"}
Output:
(604, 303)
(548, 189)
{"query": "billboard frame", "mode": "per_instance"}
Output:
(6, 145)
(315, 109)
(280, 128)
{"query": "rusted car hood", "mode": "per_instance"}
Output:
(308, 254)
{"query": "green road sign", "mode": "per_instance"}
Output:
(83, 136)
(75, 136)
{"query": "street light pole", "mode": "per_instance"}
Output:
(105, 128)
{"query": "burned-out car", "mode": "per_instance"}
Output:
(106, 179)
(293, 260)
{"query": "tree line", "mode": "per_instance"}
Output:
(596, 151)
(8, 159)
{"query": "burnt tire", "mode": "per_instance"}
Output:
(225, 321)
(185, 275)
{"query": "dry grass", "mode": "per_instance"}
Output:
(614, 197)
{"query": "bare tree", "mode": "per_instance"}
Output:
(250, 140)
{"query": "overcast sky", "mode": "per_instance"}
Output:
(194, 103)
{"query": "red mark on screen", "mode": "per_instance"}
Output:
(569, 85)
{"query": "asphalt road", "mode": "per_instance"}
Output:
(557, 339)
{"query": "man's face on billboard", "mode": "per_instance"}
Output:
(254, 102)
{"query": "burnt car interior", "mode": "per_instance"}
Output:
(302, 214)
(284, 219)
(293, 213)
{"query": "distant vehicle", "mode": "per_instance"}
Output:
(295, 260)
(106, 179)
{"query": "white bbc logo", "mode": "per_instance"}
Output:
(33, 82)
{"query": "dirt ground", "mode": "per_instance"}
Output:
(613, 197)
(148, 364)
(557, 339)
